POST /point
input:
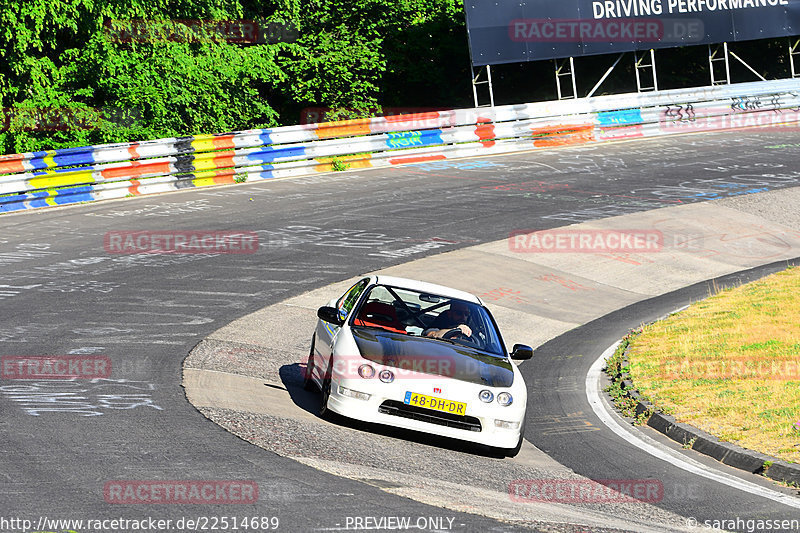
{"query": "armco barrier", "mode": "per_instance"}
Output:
(71, 175)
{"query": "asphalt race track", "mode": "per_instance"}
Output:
(62, 292)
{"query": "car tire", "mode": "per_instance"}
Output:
(308, 379)
(324, 411)
(512, 452)
(503, 453)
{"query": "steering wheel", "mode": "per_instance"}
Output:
(456, 333)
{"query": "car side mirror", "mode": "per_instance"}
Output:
(521, 352)
(329, 314)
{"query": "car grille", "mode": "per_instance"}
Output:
(395, 408)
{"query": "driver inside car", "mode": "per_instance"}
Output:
(455, 318)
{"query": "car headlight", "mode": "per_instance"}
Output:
(386, 376)
(366, 371)
(504, 398)
(486, 396)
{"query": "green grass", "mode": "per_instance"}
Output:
(730, 365)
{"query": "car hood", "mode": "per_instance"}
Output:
(432, 356)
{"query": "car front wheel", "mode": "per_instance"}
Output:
(324, 412)
(308, 376)
(512, 452)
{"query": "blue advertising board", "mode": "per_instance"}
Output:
(515, 31)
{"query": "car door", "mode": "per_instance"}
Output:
(326, 332)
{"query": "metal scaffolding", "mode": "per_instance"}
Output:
(640, 66)
(476, 82)
(567, 68)
(720, 53)
(644, 63)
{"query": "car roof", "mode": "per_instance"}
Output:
(424, 286)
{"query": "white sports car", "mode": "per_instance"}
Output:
(418, 356)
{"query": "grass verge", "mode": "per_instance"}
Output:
(729, 365)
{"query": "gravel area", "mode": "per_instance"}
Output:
(348, 443)
(780, 206)
(541, 517)
(270, 364)
(402, 459)
(394, 465)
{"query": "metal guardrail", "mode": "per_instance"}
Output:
(72, 175)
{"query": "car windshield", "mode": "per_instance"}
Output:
(411, 312)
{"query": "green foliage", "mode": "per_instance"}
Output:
(642, 418)
(61, 59)
(621, 399)
(68, 81)
(427, 55)
(617, 371)
(614, 364)
(338, 165)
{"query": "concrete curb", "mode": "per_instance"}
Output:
(707, 444)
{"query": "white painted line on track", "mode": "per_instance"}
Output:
(662, 452)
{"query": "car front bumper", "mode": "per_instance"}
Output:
(385, 406)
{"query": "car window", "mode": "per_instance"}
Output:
(412, 312)
(455, 312)
(349, 299)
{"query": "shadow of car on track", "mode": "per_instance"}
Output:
(292, 378)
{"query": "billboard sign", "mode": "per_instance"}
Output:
(506, 31)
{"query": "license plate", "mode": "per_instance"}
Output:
(437, 404)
